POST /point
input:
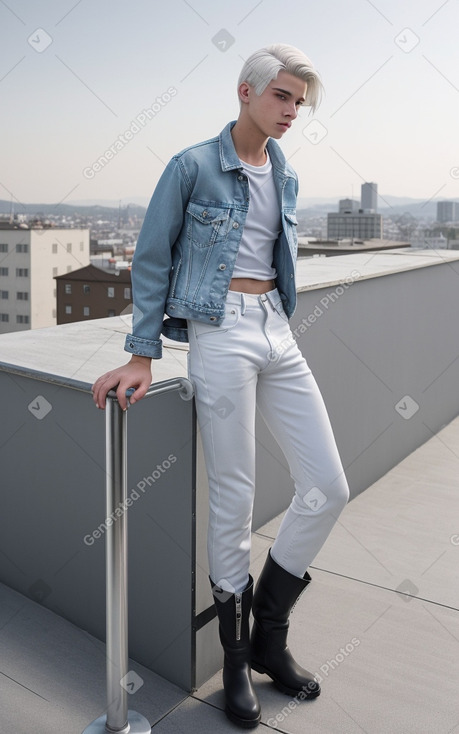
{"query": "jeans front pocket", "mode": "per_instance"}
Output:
(231, 318)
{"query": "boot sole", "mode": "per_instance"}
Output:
(280, 686)
(243, 723)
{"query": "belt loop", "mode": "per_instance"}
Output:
(242, 304)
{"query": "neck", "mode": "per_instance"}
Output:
(249, 143)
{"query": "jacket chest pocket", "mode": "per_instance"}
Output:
(290, 228)
(206, 225)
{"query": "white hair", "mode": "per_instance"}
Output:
(264, 65)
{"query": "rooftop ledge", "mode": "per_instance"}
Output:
(101, 341)
(386, 360)
(321, 272)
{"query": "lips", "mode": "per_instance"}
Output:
(285, 124)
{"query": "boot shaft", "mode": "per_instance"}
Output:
(276, 594)
(233, 611)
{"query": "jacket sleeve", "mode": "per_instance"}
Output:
(152, 260)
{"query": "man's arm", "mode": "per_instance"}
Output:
(150, 281)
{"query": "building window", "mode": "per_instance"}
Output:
(3, 247)
(22, 272)
(127, 294)
(86, 289)
(4, 317)
(86, 311)
(111, 312)
(22, 296)
(3, 271)
(68, 288)
(54, 272)
(69, 247)
(111, 291)
(68, 309)
(22, 319)
(22, 248)
(54, 248)
(4, 295)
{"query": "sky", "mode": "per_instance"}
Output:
(76, 76)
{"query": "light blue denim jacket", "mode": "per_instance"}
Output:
(190, 237)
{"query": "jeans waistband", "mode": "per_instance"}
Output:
(253, 299)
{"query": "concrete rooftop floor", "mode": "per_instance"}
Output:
(379, 624)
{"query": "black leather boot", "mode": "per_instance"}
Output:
(275, 595)
(242, 706)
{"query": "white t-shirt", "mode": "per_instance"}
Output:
(262, 226)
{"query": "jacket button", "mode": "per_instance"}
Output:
(235, 225)
(222, 266)
(240, 178)
(171, 307)
(204, 214)
(131, 344)
(213, 318)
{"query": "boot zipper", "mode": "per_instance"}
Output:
(238, 601)
(297, 600)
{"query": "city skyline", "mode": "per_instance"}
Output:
(96, 100)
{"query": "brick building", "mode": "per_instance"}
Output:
(92, 293)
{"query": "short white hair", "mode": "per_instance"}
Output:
(264, 65)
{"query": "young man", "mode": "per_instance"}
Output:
(217, 254)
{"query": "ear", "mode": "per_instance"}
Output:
(244, 91)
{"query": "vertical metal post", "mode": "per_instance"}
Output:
(118, 719)
(116, 566)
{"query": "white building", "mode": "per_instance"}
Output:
(29, 260)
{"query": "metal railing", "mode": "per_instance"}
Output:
(118, 719)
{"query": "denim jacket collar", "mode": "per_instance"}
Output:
(229, 159)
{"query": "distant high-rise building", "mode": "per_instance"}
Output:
(446, 211)
(369, 197)
(29, 261)
(359, 225)
(351, 222)
(348, 206)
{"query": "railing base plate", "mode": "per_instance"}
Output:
(137, 725)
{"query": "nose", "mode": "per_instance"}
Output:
(292, 110)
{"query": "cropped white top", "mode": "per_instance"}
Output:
(262, 225)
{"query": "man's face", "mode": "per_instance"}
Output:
(274, 111)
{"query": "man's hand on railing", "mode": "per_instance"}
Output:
(136, 373)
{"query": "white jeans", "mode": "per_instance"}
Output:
(252, 360)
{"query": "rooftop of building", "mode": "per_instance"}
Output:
(94, 273)
(379, 623)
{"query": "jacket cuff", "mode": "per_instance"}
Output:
(144, 347)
